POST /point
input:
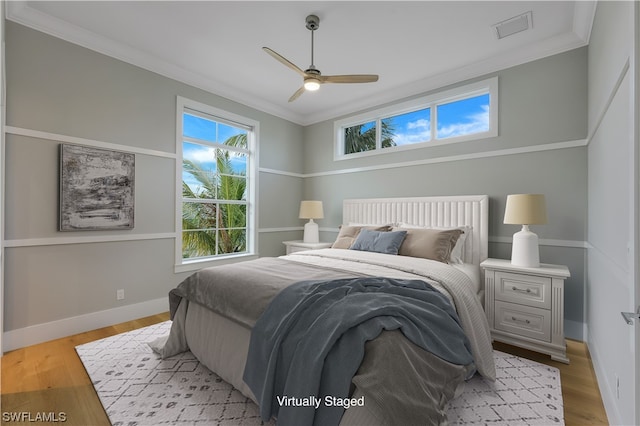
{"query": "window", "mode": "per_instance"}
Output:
(215, 181)
(463, 117)
(461, 114)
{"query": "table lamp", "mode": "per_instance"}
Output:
(525, 210)
(311, 210)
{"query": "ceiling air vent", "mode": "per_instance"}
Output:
(514, 25)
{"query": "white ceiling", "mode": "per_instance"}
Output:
(414, 46)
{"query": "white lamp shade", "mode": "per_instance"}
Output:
(311, 210)
(525, 209)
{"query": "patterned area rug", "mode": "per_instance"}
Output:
(136, 387)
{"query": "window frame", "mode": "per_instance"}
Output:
(431, 101)
(184, 105)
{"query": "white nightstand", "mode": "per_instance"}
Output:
(298, 245)
(525, 306)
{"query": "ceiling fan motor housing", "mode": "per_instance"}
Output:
(313, 22)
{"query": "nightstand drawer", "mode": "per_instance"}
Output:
(523, 320)
(530, 290)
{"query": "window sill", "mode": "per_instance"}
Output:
(195, 265)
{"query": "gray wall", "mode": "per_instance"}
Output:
(542, 104)
(57, 87)
(612, 190)
(63, 89)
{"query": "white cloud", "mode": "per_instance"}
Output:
(200, 155)
(421, 132)
(419, 124)
(477, 123)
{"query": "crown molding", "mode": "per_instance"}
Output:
(583, 16)
(20, 12)
(549, 47)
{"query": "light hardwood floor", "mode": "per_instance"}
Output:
(49, 378)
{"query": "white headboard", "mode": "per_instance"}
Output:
(450, 211)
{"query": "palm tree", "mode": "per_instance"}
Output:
(198, 216)
(200, 219)
(357, 140)
(232, 218)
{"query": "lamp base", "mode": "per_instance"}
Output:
(311, 234)
(524, 251)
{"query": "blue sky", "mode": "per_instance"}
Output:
(463, 117)
(201, 128)
(454, 119)
(207, 130)
(410, 128)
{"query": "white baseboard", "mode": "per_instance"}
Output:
(39, 333)
(606, 391)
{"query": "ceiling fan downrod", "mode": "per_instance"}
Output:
(313, 23)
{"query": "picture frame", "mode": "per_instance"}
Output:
(97, 188)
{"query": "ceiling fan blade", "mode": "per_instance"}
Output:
(296, 95)
(353, 78)
(284, 61)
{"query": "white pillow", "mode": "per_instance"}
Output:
(390, 225)
(457, 254)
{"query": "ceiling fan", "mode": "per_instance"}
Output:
(311, 76)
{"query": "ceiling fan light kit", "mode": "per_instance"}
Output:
(311, 84)
(312, 77)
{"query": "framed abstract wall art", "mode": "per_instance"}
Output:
(96, 188)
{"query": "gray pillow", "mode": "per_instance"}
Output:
(348, 234)
(429, 243)
(379, 242)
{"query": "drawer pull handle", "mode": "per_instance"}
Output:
(526, 321)
(514, 288)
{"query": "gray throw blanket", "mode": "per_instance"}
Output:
(242, 291)
(309, 342)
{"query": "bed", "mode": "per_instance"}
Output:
(215, 310)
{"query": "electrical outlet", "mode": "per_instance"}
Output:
(120, 294)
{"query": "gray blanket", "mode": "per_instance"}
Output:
(326, 324)
(242, 291)
(417, 393)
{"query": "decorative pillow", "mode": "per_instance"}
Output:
(457, 253)
(429, 243)
(379, 242)
(348, 234)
